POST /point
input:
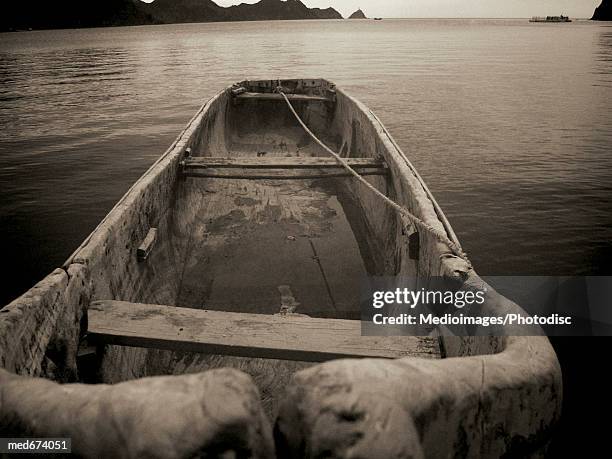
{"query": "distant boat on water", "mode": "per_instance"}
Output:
(550, 19)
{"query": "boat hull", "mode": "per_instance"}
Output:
(428, 405)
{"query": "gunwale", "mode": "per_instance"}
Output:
(176, 147)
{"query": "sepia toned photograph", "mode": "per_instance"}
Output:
(305, 228)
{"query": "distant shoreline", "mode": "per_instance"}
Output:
(286, 20)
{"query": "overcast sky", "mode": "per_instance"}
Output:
(453, 8)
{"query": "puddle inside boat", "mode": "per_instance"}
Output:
(268, 247)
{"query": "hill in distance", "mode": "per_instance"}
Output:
(45, 14)
(172, 11)
(62, 14)
(358, 15)
(603, 12)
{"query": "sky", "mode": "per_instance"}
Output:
(453, 8)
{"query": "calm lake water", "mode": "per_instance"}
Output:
(510, 124)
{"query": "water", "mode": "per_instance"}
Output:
(508, 122)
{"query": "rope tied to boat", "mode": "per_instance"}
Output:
(419, 223)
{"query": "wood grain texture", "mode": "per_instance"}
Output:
(39, 331)
(280, 162)
(275, 167)
(285, 337)
(276, 174)
(275, 96)
(147, 245)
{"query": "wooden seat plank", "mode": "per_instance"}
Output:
(288, 337)
(282, 162)
(279, 167)
(275, 175)
(276, 96)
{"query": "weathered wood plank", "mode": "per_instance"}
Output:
(276, 96)
(290, 168)
(286, 337)
(276, 175)
(146, 247)
(282, 162)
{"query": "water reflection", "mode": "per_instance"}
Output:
(603, 56)
(513, 136)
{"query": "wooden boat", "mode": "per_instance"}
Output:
(241, 250)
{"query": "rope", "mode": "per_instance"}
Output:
(439, 235)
